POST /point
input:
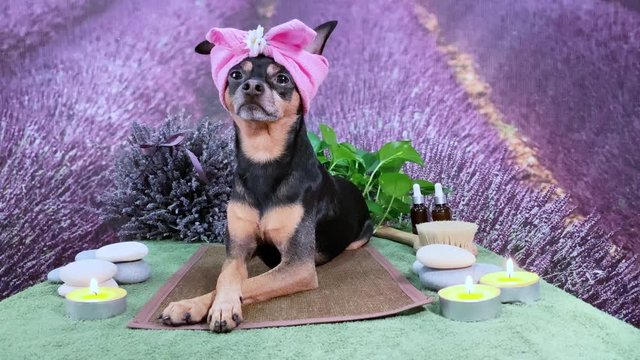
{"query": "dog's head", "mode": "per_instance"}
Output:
(260, 89)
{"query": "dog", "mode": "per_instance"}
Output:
(285, 207)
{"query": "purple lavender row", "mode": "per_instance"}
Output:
(67, 105)
(388, 81)
(27, 25)
(567, 75)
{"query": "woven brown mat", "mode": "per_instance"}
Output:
(356, 285)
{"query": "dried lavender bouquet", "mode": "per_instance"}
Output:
(159, 192)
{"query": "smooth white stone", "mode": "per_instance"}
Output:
(435, 279)
(86, 255)
(440, 256)
(79, 273)
(54, 275)
(124, 251)
(132, 272)
(64, 289)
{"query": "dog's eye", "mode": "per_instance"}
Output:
(282, 79)
(235, 75)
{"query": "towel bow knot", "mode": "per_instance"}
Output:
(285, 43)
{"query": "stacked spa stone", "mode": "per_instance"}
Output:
(128, 257)
(120, 263)
(441, 265)
(78, 275)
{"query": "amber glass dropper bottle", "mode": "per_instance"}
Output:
(419, 211)
(441, 210)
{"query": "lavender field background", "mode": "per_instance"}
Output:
(75, 76)
(567, 74)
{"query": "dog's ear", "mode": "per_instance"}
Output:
(322, 34)
(204, 47)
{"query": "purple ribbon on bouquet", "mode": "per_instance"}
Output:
(175, 141)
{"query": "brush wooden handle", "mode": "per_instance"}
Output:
(396, 235)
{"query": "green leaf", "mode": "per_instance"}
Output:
(328, 135)
(358, 179)
(401, 205)
(393, 165)
(318, 144)
(314, 140)
(369, 160)
(373, 165)
(426, 187)
(404, 206)
(357, 153)
(339, 152)
(395, 184)
(323, 159)
(400, 150)
(350, 147)
(375, 208)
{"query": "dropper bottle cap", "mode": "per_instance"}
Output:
(417, 197)
(439, 197)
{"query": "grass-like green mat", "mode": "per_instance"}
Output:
(559, 326)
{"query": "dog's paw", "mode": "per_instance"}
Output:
(190, 311)
(225, 314)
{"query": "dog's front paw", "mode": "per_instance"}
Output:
(189, 311)
(225, 314)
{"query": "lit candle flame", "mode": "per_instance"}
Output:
(93, 286)
(468, 284)
(509, 268)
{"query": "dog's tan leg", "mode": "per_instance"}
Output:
(292, 234)
(242, 225)
(287, 228)
(279, 281)
(188, 311)
(284, 279)
(223, 306)
(226, 312)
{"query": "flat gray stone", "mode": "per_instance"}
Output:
(64, 289)
(54, 275)
(85, 255)
(79, 273)
(132, 272)
(435, 279)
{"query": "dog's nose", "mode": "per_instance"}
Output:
(253, 87)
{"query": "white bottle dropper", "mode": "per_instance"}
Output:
(439, 196)
(417, 197)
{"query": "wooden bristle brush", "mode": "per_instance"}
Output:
(456, 233)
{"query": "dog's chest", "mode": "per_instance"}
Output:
(276, 225)
(268, 187)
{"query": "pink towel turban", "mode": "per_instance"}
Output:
(285, 43)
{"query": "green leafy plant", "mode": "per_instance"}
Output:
(378, 174)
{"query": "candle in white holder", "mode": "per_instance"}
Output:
(516, 286)
(470, 302)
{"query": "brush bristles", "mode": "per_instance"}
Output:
(455, 233)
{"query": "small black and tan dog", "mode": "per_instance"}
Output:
(285, 208)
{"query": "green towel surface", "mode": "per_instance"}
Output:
(559, 326)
